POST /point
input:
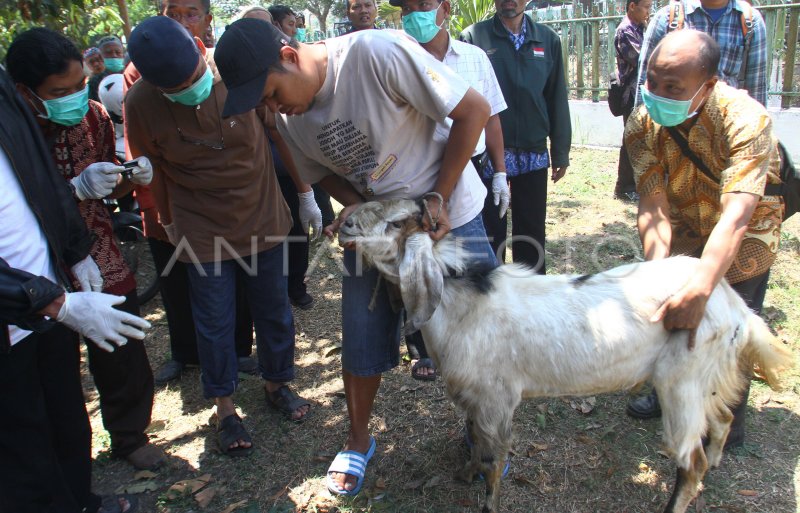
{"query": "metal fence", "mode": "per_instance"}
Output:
(587, 45)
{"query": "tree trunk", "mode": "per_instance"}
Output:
(123, 13)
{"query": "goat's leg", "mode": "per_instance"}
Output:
(470, 468)
(687, 482)
(719, 425)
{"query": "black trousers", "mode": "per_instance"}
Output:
(45, 436)
(529, 203)
(324, 202)
(298, 251)
(753, 292)
(174, 289)
(124, 381)
(625, 182)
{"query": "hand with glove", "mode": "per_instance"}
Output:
(310, 214)
(92, 314)
(88, 275)
(142, 174)
(96, 181)
(501, 192)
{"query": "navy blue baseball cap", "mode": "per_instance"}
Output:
(243, 56)
(163, 51)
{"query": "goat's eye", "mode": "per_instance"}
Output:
(396, 224)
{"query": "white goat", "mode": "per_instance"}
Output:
(511, 333)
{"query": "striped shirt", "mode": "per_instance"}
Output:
(727, 32)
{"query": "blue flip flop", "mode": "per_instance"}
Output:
(506, 468)
(352, 463)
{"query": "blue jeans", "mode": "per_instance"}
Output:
(371, 339)
(213, 299)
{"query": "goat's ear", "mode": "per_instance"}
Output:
(421, 280)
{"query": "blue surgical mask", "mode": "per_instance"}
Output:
(300, 35)
(196, 93)
(68, 110)
(666, 111)
(114, 64)
(421, 25)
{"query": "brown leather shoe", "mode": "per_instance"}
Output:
(146, 457)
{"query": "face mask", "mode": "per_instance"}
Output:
(68, 110)
(196, 93)
(300, 35)
(421, 25)
(115, 64)
(665, 111)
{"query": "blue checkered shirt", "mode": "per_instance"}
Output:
(517, 39)
(727, 32)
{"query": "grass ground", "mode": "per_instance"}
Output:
(570, 455)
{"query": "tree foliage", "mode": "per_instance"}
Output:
(321, 9)
(468, 12)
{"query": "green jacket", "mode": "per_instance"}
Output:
(533, 85)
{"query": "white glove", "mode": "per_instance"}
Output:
(172, 233)
(502, 195)
(310, 214)
(143, 173)
(97, 180)
(88, 275)
(92, 315)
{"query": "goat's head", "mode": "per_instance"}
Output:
(389, 236)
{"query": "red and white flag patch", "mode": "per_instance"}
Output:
(538, 52)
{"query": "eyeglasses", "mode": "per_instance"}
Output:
(190, 18)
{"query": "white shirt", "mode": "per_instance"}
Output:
(22, 242)
(375, 120)
(472, 64)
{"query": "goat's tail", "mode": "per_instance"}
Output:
(766, 351)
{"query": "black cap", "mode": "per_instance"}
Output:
(396, 3)
(243, 56)
(163, 51)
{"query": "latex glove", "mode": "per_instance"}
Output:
(310, 214)
(97, 180)
(143, 173)
(502, 195)
(88, 275)
(92, 314)
(172, 233)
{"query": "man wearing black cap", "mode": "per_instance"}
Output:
(219, 202)
(391, 143)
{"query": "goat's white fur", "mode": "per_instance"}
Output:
(547, 336)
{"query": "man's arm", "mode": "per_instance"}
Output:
(557, 100)
(285, 153)
(469, 118)
(685, 308)
(494, 143)
(655, 229)
(755, 79)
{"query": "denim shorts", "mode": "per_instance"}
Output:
(371, 339)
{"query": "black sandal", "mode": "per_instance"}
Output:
(230, 430)
(287, 402)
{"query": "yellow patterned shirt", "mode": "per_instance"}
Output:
(733, 137)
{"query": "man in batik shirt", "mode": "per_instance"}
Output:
(724, 216)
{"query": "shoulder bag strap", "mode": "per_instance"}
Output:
(684, 146)
(747, 34)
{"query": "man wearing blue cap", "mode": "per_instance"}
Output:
(220, 204)
(390, 143)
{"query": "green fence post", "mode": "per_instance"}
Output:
(565, 44)
(579, 47)
(788, 64)
(595, 55)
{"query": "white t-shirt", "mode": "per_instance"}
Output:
(374, 122)
(22, 242)
(472, 64)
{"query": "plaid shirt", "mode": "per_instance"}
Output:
(727, 32)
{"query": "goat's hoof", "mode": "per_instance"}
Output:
(487, 509)
(466, 474)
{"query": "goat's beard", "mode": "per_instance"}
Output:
(382, 253)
